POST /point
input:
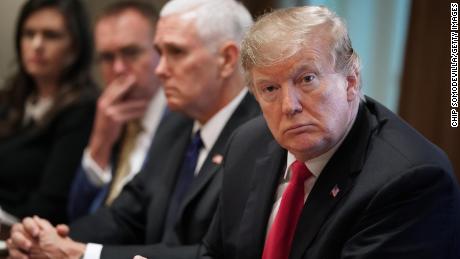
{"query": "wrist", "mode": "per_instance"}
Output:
(100, 153)
(75, 250)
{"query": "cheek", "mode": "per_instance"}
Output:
(273, 116)
(61, 56)
(25, 51)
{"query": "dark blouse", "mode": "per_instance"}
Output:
(37, 165)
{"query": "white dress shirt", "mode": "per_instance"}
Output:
(153, 115)
(210, 132)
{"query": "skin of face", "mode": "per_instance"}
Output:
(189, 69)
(124, 48)
(307, 104)
(46, 46)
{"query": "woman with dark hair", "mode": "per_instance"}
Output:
(46, 109)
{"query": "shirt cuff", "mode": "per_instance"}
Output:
(96, 175)
(92, 251)
(6, 218)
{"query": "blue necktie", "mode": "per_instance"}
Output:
(185, 178)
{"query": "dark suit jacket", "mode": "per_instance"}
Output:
(37, 165)
(85, 197)
(137, 216)
(398, 197)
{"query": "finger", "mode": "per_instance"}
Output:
(129, 110)
(117, 89)
(20, 241)
(36, 253)
(16, 254)
(129, 116)
(43, 224)
(63, 230)
(31, 226)
(18, 227)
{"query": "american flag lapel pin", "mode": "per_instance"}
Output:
(217, 159)
(335, 191)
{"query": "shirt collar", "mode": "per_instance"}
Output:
(154, 111)
(210, 131)
(36, 110)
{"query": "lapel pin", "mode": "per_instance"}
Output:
(335, 191)
(217, 159)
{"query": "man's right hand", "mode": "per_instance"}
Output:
(114, 109)
(24, 239)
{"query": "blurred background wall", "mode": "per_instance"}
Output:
(8, 13)
(404, 46)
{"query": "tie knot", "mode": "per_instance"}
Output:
(300, 171)
(133, 128)
(197, 142)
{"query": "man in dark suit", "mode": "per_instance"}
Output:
(327, 173)
(167, 208)
(129, 110)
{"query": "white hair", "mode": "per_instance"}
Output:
(216, 21)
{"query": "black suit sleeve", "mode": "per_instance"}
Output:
(415, 215)
(212, 242)
(72, 129)
(156, 251)
(121, 223)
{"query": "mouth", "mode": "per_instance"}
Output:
(36, 60)
(298, 128)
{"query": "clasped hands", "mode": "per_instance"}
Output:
(37, 238)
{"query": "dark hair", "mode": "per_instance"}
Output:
(74, 81)
(144, 8)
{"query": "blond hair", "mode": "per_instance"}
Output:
(279, 35)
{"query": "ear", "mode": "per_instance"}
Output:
(228, 59)
(352, 86)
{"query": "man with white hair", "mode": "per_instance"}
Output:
(165, 211)
(327, 173)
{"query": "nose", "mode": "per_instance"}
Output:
(291, 100)
(37, 41)
(162, 69)
(119, 66)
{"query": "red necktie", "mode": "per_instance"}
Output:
(279, 241)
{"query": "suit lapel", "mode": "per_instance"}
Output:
(339, 172)
(264, 182)
(247, 109)
(177, 130)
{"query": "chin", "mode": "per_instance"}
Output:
(306, 147)
(176, 105)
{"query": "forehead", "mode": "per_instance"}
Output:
(121, 30)
(178, 30)
(47, 17)
(312, 56)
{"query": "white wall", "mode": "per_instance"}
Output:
(8, 13)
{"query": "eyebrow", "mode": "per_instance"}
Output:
(312, 64)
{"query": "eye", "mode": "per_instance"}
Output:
(106, 57)
(269, 89)
(27, 33)
(308, 78)
(53, 34)
(131, 53)
(269, 92)
(175, 50)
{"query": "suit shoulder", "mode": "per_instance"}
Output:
(254, 131)
(395, 141)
